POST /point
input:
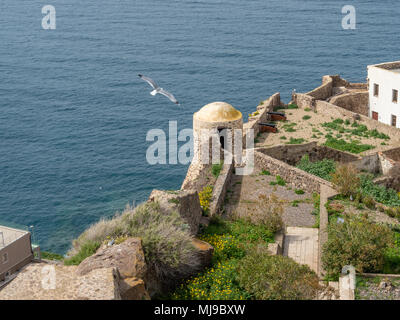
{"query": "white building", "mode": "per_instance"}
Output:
(384, 87)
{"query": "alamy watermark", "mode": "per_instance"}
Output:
(349, 20)
(49, 20)
(204, 146)
(48, 277)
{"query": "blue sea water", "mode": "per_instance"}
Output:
(74, 115)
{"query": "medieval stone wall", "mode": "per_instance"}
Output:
(292, 154)
(354, 101)
(220, 188)
(297, 178)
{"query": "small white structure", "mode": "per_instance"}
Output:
(15, 250)
(384, 87)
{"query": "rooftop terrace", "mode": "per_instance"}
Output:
(9, 235)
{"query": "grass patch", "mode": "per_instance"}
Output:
(87, 249)
(296, 141)
(51, 256)
(355, 128)
(354, 146)
(289, 127)
(292, 106)
(322, 169)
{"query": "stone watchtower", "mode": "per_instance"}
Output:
(209, 125)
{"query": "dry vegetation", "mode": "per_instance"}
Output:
(167, 242)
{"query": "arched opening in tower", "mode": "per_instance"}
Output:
(221, 133)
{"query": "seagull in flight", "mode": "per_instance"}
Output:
(157, 89)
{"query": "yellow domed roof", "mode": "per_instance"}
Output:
(218, 112)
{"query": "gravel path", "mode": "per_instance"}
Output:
(378, 289)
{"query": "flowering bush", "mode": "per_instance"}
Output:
(225, 246)
(231, 240)
(205, 196)
(217, 283)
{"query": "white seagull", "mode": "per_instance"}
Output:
(157, 89)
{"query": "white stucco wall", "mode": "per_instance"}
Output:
(383, 104)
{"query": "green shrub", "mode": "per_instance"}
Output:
(369, 202)
(306, 117)
(268, 277)
(379, 193)
(322, 169)
(357, 242)
(216, 169)
(166, 238)
(346, 180)
(265, 173)
(295, 203)
(280, 181)
(299, 191)
(392, 256)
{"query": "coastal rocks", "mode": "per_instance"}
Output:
(42, 281)
(205, 252)
(186, 203)
(128, 257)
(133, 289)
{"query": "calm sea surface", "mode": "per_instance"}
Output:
(74, 115)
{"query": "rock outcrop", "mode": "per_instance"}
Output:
(42, 281)
(133, 289)
(128, 257)
(185, 202)
(205, 252)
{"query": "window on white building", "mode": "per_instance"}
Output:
(395, 95)
(394, 120)
(376, 90)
